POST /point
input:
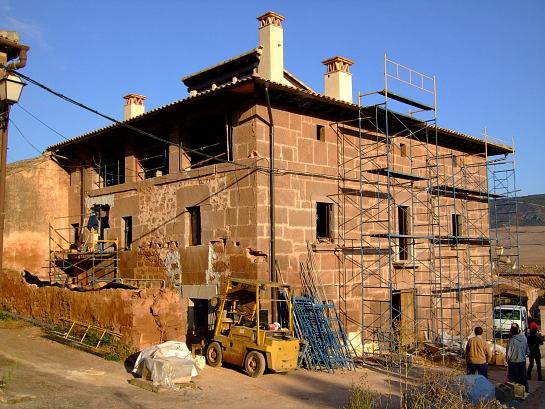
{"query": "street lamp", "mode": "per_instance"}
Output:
(11, 88)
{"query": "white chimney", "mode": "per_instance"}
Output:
(271, 37)
(338, 79)
(134, 106)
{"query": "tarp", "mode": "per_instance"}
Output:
(167, 364)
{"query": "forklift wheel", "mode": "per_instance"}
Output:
(254, 364)
(214, 355)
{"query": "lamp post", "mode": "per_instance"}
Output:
(11, 87)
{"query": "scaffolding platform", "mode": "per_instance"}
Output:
(83, 265)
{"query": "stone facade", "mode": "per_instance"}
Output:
(395, 212)
(233, 208)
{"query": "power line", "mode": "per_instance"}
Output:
(132, 128)
(43, 123)
(237, 164)
(24, 137)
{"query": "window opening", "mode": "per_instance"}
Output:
(153, 160)
(110, 165)
(75, 235)
(128, 232)
(324, 214)
(320, 133)
(211, 140)
(456, 225)
(458, 161)
(194, 225)
(404, 229)
(100, 221)
(403, 148)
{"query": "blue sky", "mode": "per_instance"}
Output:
(488, 58)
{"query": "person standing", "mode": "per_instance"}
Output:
(516, 351)
(477, 354)
(534, 342)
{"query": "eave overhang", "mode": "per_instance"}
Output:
(306, 100)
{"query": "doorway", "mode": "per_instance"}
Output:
(403, 318)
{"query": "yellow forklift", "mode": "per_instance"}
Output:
(244, 336)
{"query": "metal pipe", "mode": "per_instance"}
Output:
(271, 188)
(272, 258)
(3, 160)
(19, 64)
(22, 53)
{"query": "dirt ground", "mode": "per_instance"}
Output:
(532, 245)
(40, 373)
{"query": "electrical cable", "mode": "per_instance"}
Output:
(132, 128)
(43, 123)
(24, 137)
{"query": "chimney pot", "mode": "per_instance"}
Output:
(338, 79)
(271, 39)
(134, 106)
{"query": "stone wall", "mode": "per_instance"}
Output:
(143, 317)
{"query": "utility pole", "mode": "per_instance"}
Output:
(10, 90)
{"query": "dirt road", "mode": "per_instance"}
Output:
(40, 373)
(45, 374)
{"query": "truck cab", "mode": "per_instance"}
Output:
(506, 315)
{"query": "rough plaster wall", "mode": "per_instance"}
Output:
(143, 317)
(160, 228)
(36, 193)
(156, 248)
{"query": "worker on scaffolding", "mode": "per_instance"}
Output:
(477, 354)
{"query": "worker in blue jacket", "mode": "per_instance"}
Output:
(517, 349)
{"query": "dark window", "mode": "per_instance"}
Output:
(456, 225)
(320, 133)
(403, 148)
(194, 225)
(100, 221)
(211, 140)
(458, 161)
(404, 229)
(128, 232)
(324, 214)
(110, 165)
(153, 159)
(75, 230)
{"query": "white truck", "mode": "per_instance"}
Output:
(506, 315)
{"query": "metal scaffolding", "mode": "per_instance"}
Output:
(74, 259)
(504, 228)
(413, 223)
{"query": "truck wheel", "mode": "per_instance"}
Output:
(214, 355)
(254, 364)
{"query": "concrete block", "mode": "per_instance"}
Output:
(296, 122)
(305, 151)
(205, 292)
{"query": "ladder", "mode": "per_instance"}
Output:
(79, 330)
(320, 326)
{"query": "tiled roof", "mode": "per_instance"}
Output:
(494, 148)
(243, 64)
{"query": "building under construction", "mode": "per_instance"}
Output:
(255, 170)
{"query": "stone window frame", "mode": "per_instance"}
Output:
(195, 225)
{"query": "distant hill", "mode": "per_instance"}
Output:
(531, 210)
